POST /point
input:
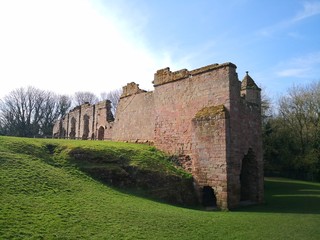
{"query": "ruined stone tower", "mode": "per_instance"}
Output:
(207, 118)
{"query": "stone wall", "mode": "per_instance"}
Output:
(206, 117)
(73, 123)
(244, 136)
(177, 100)
(210, 152)
(103, 121)
(212, 147)
(86, 122)
(135, 116)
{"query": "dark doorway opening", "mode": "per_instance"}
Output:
(101, 133)
(208, 197)
(72, 134)
(249, 177)
(86, 131)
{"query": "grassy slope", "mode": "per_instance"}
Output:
(45, 198)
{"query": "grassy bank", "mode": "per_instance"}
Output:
(45, 195)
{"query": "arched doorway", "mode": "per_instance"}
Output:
(85, 134)
(208, 197)
(101, 133)
(72, 134)
(249, 177)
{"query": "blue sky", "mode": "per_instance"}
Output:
(80, 45)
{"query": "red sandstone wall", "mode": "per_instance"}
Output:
(135, 118)
(180, 118)
(86, 109)
(177, 103)
(65, 126)
(98, 115)
(244, 133)
(76, 115)
(218, 146)
(56, 128)
(178, 130)
(101, 120)
(210, 152)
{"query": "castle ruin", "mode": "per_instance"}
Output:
(206, 117)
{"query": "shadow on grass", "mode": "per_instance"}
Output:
(288, 196)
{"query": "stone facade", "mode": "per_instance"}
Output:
(86, 122)
(206, 117)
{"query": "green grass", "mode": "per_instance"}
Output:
(44, 195)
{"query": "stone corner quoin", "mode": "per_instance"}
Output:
(206, 117)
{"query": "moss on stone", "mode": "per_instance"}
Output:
(212, 111)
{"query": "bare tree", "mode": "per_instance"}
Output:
(31, 112)
(20, 111)
(266, 107)
(64, 104)
(85, 97)
(53, 108)
(113, 97)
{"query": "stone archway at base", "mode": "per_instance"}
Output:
(208, 197)
(249, 177)
(101, 133)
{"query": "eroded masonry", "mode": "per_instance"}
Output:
(206, 117)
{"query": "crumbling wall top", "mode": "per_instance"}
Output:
(164, 75)
(131, 89)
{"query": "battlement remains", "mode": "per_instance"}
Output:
(164, 75)
(131, 89)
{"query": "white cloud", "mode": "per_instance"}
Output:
(293, 72)
(309, 9)
(70, 45)
(300, 67)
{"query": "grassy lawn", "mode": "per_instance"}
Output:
(45, 196)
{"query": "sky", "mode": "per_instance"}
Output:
(98, 46)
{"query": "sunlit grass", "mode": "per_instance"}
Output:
(47, 198)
